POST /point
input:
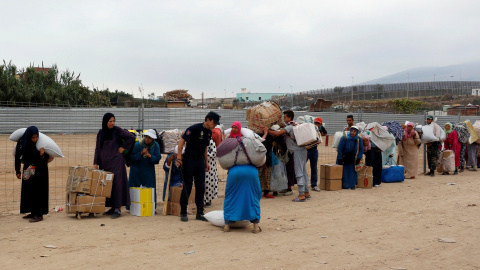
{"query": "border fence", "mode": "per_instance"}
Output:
(75, 129)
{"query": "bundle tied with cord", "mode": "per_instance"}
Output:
(87, 190)
(263, 115)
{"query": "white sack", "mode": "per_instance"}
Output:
(217, 219)
(51, 148)
(379, 136)
(428, 135)
(256, 152)
(247, 133)
(336, 138)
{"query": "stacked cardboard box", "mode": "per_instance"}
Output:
(87, 189)
(142, 201)
(331, 176)
(365, 177)
(173, 207)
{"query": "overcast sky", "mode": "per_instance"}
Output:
(219, 47)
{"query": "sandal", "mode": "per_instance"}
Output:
(226, 229)
(308, 197)
(299, 200)
(257, 231)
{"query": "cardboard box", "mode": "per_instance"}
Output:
(142, 195)
(173, 207)
(333, 184)
(145, 209)
(83, 203)
(90, 181)
(330, 172)
(142, 201)
(365, 177)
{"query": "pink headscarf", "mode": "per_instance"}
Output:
(239, 127)
(369, 146)
(408, 134)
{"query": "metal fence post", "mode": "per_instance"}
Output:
(424, 146)
(139, 117)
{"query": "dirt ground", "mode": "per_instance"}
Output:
(394, 226)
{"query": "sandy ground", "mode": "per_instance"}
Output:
(394, 226)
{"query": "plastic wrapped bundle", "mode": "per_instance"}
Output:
(263, 115)
(171, 139)
(230, 152)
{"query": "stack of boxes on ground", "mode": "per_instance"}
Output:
(331, 177)
(87, 190)
(173, 207)
(142, 201)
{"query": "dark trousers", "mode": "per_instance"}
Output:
(433, 152)
(193, 170)
(373, 157)
(312, 155)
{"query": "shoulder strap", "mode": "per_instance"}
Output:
(240, 142)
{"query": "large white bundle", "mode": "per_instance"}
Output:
(305, 133)
(337, 137)
(447, 161)
(227, 155)
(217, 219)
(443, 135)
(170, 139)
(361, 127)
(247, 133)
(379, 136)
(51, 148)
(428, 134)
(305, 119)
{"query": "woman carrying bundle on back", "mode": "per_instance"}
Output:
(408, 151)
(242, 193)
(34, 195)
(350, 152)
(451, 143)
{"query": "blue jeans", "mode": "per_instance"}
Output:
(312, 155)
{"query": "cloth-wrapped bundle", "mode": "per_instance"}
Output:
(171, 139)
(447, 161)
(265, 114)
(471, 129)
(379, 136)
(232, 152)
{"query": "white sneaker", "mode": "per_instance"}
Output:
(376, 185)
(316, 188)
(288, 193)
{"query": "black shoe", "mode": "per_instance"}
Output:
(200, 217)
(429, 173)
(456, 172)
(109, 212)
(29, 216)
(183, 217)
(432, 174)
(116, 214)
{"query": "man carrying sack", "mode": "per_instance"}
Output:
(433, 148)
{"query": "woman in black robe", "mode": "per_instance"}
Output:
(34, 195)
(112, 141)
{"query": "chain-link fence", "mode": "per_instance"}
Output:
(75, 129)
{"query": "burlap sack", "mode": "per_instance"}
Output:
(263, 115)
(171, 139)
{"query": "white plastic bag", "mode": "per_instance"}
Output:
(51, 148)
(217, 219)
(279, 179)
(337, 137)
(428, 135)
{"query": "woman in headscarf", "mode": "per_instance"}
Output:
(34, 194)
(176, 177)
(389, 155)
(350, 152)
(145, 155)
(112, 141)
(408, 151)
(451, 143)
(236, 130)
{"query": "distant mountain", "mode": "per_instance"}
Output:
(461, 72)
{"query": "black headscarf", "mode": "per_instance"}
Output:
(27, 144)
(106, 133)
